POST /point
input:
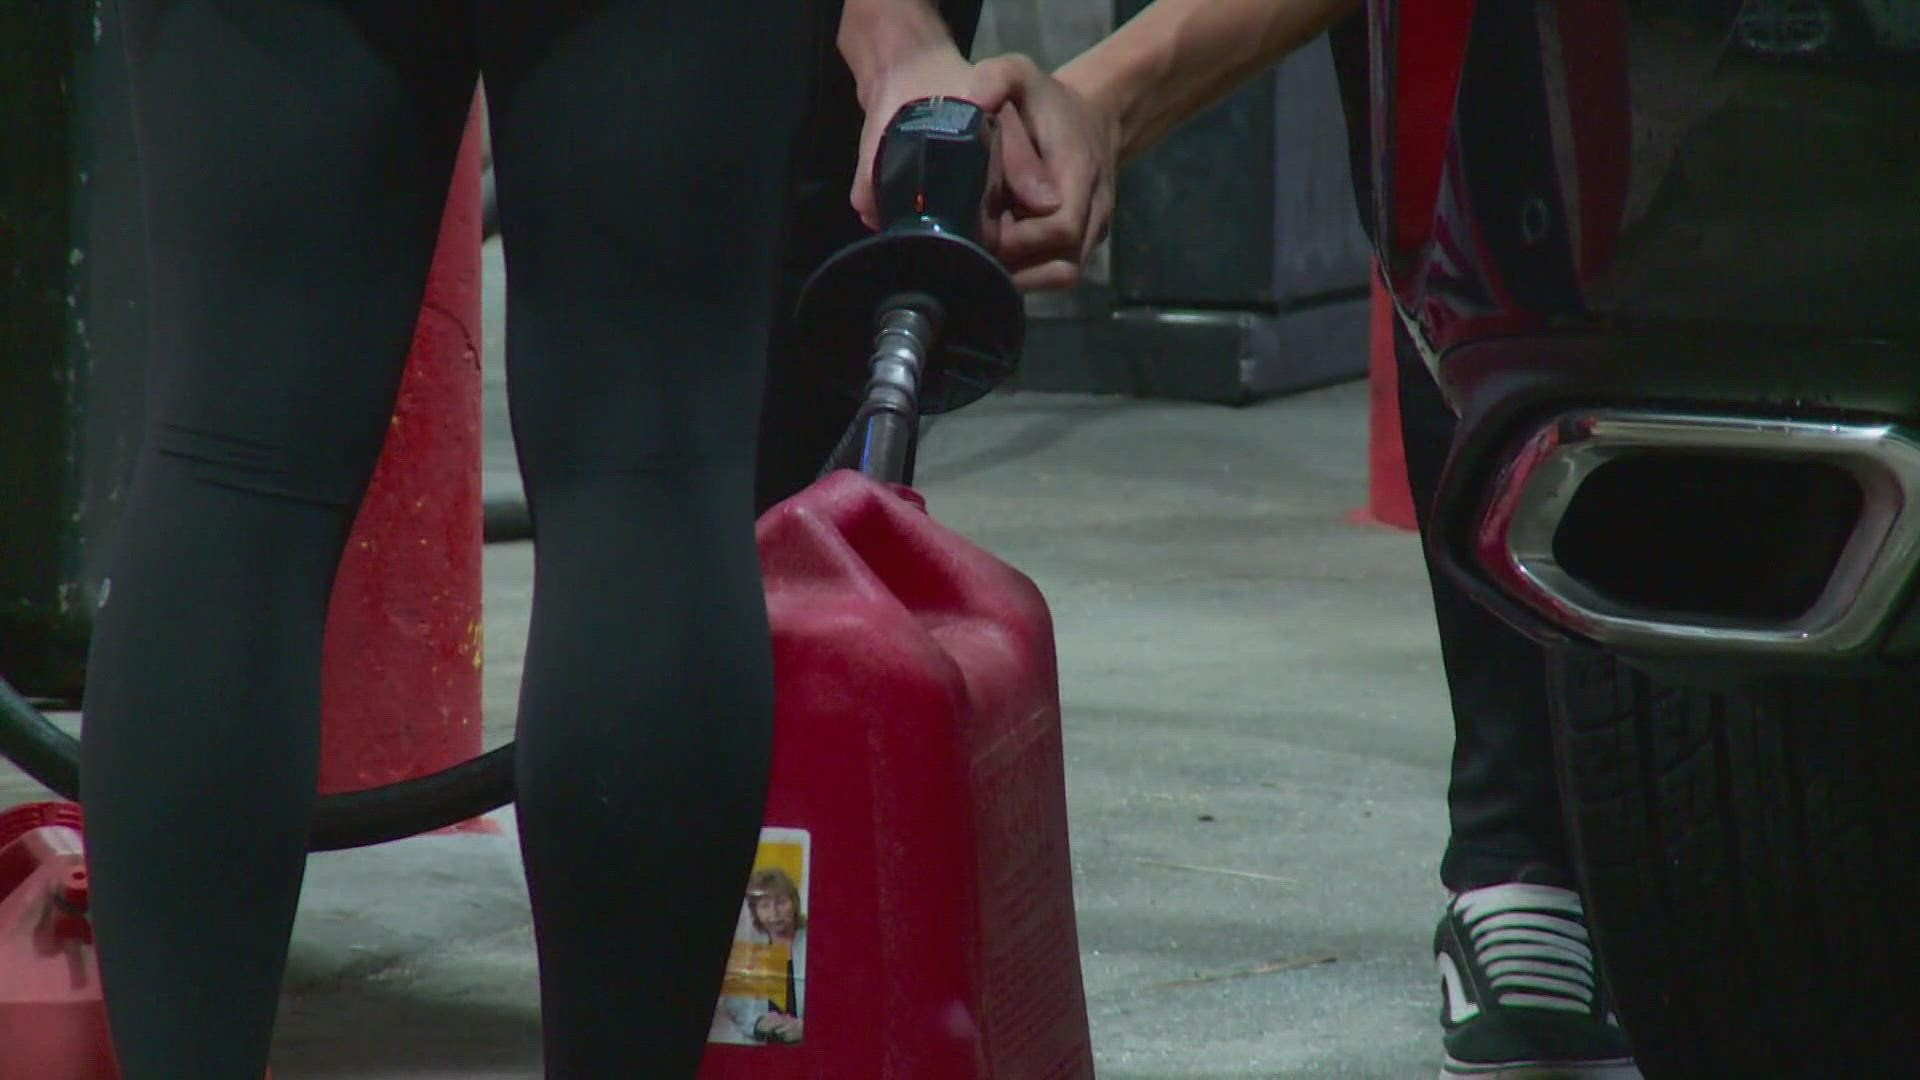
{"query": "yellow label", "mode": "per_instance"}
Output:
(758, 971)
(778, 855)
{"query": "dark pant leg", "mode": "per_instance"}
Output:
(642, 151)
(801, 420)
(1503, 800)
(296, 158)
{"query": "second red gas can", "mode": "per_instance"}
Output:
(53, 1024)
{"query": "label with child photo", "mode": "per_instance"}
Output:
(763, 1000)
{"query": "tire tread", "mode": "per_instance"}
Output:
(1748, 861)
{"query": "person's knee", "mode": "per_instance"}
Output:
(326, 475)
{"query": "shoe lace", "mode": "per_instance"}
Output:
(1531, 942)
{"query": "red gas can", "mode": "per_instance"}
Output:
(911, 914)
(53, 1024)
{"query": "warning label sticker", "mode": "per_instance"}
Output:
(764, 998)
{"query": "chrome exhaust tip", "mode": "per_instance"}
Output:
(1638, 563)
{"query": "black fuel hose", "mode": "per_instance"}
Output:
(349, 819)
(345, 820)
(39, 748)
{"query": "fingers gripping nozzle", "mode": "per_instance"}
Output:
(937, 185)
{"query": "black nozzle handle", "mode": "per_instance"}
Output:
(938, 166)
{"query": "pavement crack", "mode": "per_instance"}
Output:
(1273, 968)
(1250, 875)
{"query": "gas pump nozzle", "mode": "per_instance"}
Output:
(934, 314)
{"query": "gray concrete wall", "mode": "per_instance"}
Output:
(1050, 31)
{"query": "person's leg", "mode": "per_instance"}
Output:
(642, 152)
(1523, 995)
(1503, 800)
(802, 420)
(296, 159)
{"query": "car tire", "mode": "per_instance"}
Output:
(1748, 858)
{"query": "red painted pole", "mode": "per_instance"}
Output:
(1389, 501)
(401, 683)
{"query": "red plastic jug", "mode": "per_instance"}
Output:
(916, 819)
(53, 1024)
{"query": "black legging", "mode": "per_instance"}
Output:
(296, 159)
(1503, 798)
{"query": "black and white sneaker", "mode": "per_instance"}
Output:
(1523, 997)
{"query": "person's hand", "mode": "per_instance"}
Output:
(1058, 150)
(940, 71)
(779, 1027)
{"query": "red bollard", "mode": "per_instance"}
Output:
(916, 818)
(1389, 500)
(401, 685)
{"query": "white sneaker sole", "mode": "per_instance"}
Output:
(1621, 1069)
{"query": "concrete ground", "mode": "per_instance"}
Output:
(1257, 738)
